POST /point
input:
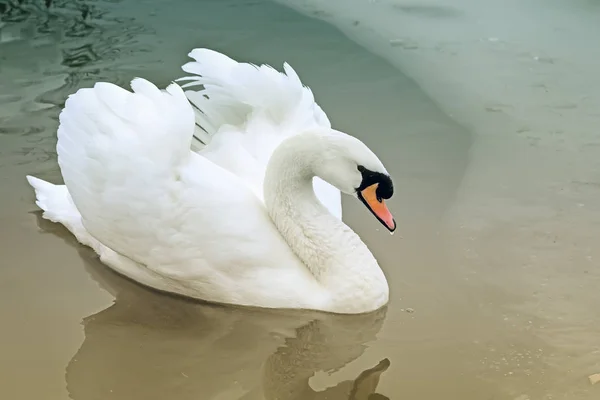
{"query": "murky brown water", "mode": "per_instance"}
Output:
(490, 304)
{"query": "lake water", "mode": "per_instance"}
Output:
(485, 114)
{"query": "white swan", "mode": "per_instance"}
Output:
(236, 221)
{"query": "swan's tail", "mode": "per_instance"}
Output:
(233, 93)
(58, 207)
(54, 200)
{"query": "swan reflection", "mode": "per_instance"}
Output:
(153, 346)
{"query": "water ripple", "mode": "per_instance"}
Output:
(49, 50)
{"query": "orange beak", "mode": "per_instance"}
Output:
(377, 206)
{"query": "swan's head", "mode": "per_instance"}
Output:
(349, 165)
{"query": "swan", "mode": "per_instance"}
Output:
(228, 191)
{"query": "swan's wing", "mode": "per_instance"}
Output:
(243, 112)
(126, 160)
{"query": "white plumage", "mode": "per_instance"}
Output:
(196, 222)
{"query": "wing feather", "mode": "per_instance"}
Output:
(141, 191)
(261, 104)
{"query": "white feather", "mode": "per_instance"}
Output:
(265, 105)
(194, 222)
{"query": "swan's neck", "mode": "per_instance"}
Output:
(334, 254)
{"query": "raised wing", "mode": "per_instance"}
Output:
(243, 112)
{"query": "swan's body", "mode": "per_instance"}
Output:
(236, 221)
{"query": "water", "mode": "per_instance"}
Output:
(493, 272)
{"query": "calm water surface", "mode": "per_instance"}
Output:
(507, 313)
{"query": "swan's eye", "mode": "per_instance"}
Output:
(385, 190)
